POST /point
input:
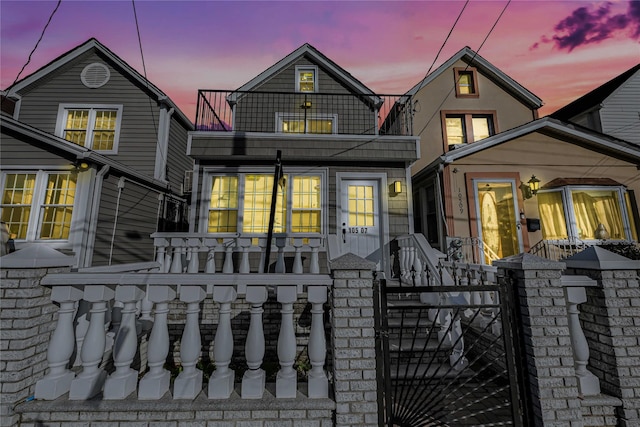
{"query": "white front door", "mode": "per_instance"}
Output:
(360, 224)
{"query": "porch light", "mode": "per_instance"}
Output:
(397, 187)
(81, 166)
(534, 184)
(306, 105)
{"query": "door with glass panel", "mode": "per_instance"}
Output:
(497, 219)
(360, 233)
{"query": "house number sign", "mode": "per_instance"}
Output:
(358, 230)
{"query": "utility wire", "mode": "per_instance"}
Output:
(443, 43)
(38, 42)
(475, 53)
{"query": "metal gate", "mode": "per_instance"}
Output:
(447, 355)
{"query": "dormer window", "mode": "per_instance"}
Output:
(466, 82)
(306, 79)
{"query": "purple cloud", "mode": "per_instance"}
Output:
(585, 26)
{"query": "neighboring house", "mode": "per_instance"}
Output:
(612, 108)
(93, 159)
(342, 181)
(482, 149)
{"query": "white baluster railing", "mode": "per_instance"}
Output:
(100, 290)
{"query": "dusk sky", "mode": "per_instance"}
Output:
(559, 50)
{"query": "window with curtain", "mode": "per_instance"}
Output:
(243, 202)
(38, 206)
(463, 128)
(580, 211)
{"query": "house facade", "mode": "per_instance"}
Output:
(341, 180)
(94, 157)
(483, 152)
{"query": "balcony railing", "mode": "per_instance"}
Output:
(294, 112)
(234, 253)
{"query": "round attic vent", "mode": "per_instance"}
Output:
(95, 75)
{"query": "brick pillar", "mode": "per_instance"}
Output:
(611, 323)
(353, 339)
(544, 330)
(27, 317)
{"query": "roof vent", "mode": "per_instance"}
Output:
(95, 75)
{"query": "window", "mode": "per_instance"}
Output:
(243, 202)
(579, 211)
(38, 206)
(466, 82)
(94, 127)
(298, 123)
(306, 79)
(462, 128)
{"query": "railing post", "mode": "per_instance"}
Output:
(58, 381)
(297, 260)
(210, 266)
(161, 253)
(90, 381)
(124, 380)
(244, 245)
(314, 265)
(588, 383)
(253, 380)
(221, 382)
(286, 380)
(280, 244)
(227, 267)
(155, 383)
(189, 383)
(177, 245)
(194, 249)
(318, 382)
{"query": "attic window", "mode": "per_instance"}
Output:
(306, 79)
(466, 82)
(95, 75)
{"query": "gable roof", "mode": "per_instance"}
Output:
(317, 57)
(474, 59)
(552, 127)
(93, 44)
(595, 97)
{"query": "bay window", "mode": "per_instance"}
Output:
(242, 203)
(38, 205)
(586, 213)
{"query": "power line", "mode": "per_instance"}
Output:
(475, 53)
(38, 42)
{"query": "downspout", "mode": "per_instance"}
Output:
(440, 200)
(115, 219)
(90, 236)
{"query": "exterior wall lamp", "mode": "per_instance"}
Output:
(396, 187)
(306, 105)
(531, 188)
(81, 166)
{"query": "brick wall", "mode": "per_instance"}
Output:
(27, 318)
(353, 341)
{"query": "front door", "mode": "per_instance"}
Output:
(498, 221)
(360, 222)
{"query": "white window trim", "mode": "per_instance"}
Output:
(280, 117)
(62, 108)
(209, 173)
(77, 216)
(314, 68)
(569, 217)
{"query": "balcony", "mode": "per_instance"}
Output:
(301, 113)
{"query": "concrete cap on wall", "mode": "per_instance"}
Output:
(36, 256)
(597, 258)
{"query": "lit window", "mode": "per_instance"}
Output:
(585, 212)
(96, 127)
(38, 206)
(243, 202)
(466, 82)
(295, 123)
(306, 79)
(467, 127)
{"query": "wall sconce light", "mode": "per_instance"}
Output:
(531, 188)
(306, 105)
(534, 184)
(397, 187)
